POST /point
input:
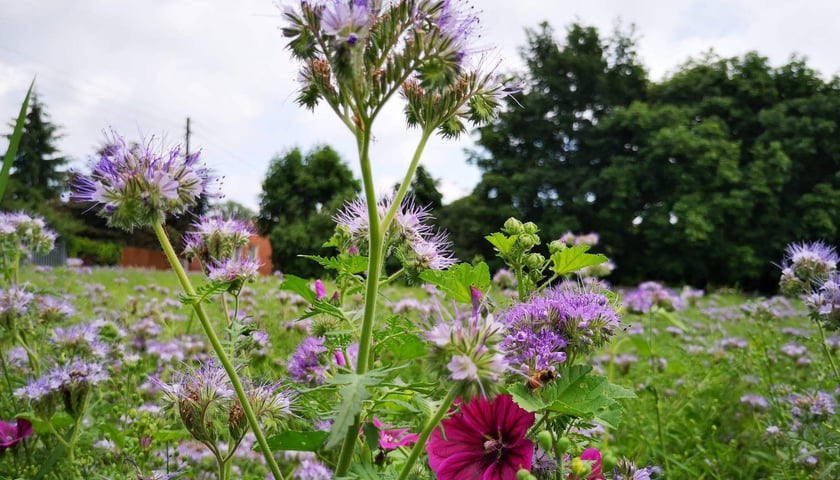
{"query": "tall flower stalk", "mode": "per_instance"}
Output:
(356, 55)
(137, 187)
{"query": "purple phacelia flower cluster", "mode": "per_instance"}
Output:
(137, 186)
(306, 365)
(543, 331)
(806, 265)
(22, 235)
(69, 383)
(410, 236)
(216, 238)
(652, 294)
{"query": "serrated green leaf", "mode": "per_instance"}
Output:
(617, 391)
(574, 258)
(353, 394)
(300, 286)
(501, 242)
(348, 264)
(457, 280)
(296, 441)
(205, 292)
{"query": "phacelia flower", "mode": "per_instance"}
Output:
(652, 294)
(806, 264)
(824, 302)
(202, 397)
(216, 239)
(11, 433)
(136, 186)
(312, 470)
(236, 270)
(15, 303)
(468, 348)
(305, 365)
(70, 384)
(22, 235)
(345, 21)
(484, 440)
(627, 470)
(561, 319)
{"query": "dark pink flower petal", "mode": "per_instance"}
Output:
(485, 440)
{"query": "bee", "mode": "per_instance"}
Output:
(540, 378)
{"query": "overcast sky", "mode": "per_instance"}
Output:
(143, 67)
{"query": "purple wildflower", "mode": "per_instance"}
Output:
(812, 407)
(755, 401)
(346, 21)
(305, 365)
(14, 305)
(456, 24)
(236, 270)
(216, 238)
(312, 470)
(585, 319)
(824, 302)
(806, 264)
(650, 294)
(138, 187)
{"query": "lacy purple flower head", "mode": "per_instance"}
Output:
(70, 384)
(485, 440)
(627, 470)
(15, 304)
(237, 271)
(311, 469)
(824, 302)
(21, 235)
(410, 236)
(53, 309)
(805, 265)
(136, 186)
(12, 433)
(813, 407)
(203, 398)
(216, 238)
(467, 349)
(652, 294)
(308, 364)
(346, 21)
(557, 323)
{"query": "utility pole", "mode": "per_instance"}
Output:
(187, 142)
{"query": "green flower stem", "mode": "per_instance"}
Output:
(219, 349)
(371, 292)
(427, 431)
(34, 363)
(406, 183)
(827, 351)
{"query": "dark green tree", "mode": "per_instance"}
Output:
(37, 174)
(300, 194)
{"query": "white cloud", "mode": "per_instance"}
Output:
(143, 67)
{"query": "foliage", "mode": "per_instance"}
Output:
(300, 195)
(14, 142)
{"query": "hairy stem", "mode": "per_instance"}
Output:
(427, 431)
(219, 349)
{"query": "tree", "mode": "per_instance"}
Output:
(300, 194)
(424, 189)
(36, 172)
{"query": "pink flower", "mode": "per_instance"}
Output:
(393, 438)
(13, 432)
(320, 290)
(597, 471)
(485, 440)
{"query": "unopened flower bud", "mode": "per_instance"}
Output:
(534, 261)
(563, 444)
(545, 440)
(513, 227)
(237, 423)
(523, 474)
(556, 246)
(531, 228)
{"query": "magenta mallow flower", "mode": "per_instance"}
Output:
(138, 186)
(320, 290)
(391, 439)
(485, 440)
(11, 433)
(596, 471)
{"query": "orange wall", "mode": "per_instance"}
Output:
(148, 258)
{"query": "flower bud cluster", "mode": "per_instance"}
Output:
(217, 243)
(208, 408)
(69, 384)
(136, 186)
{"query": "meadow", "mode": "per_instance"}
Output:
(728, 385)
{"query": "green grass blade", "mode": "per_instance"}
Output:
(14, 142)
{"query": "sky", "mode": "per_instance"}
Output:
(144, 67)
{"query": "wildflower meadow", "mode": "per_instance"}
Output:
(403, 362)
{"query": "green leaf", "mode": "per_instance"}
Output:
(404, 346)
(502, 243)
(114, 434)
(14, 142)
(61, 420)
(577, 393)
(348, 264)
(297, 441)
(671, 318)
(170, 435)
(574, 258)
(205, 292)
(353, 393)
(300, 286)
(457, 280)
(371, 435)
